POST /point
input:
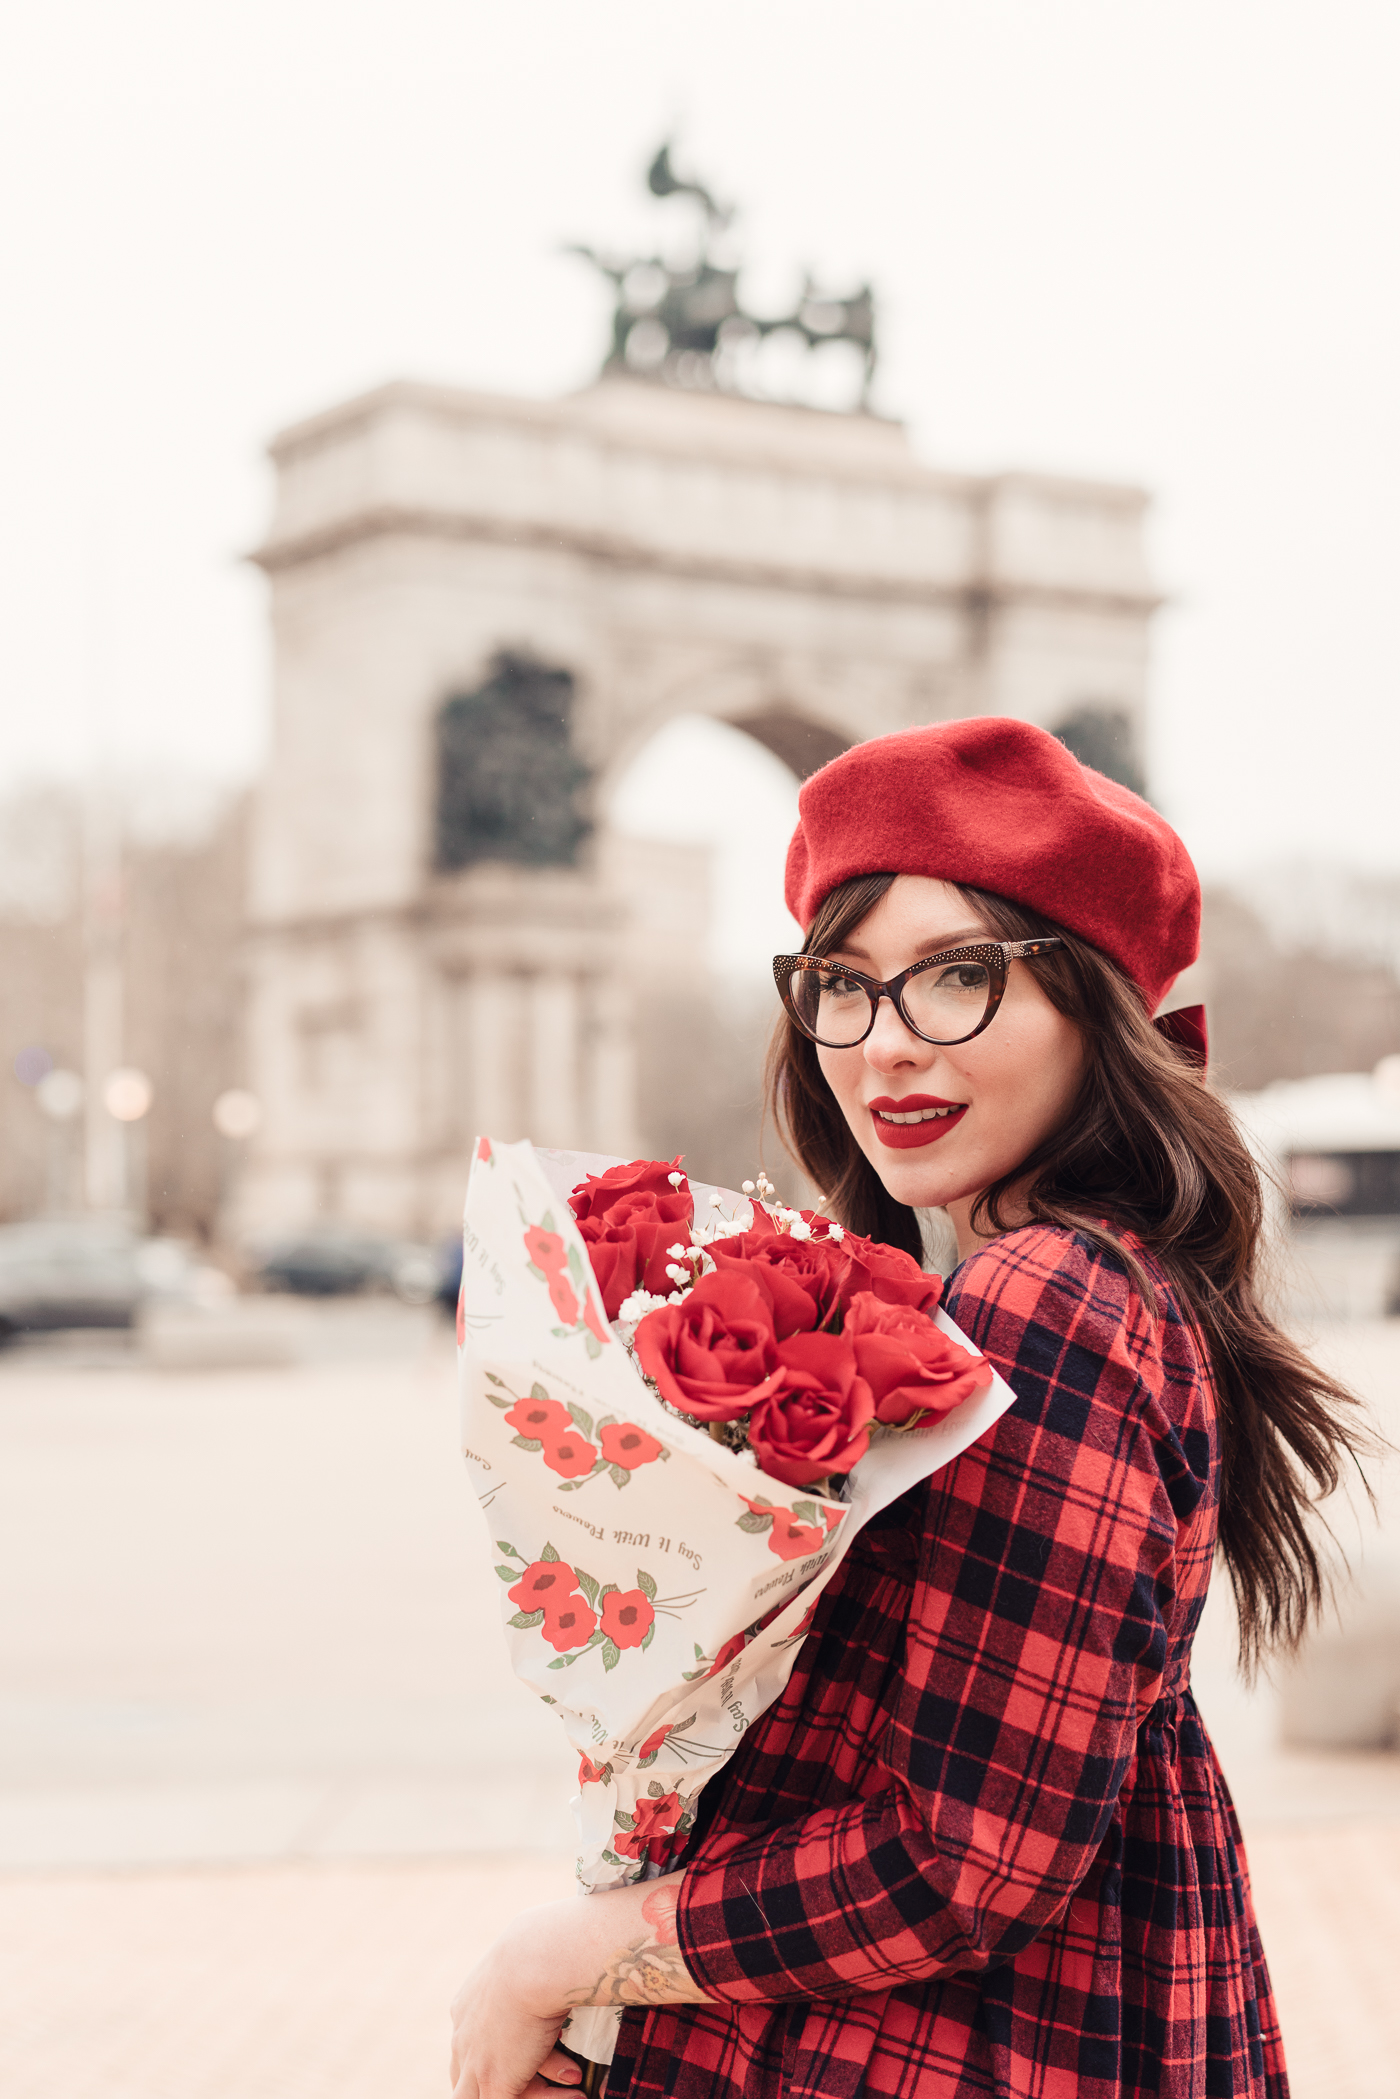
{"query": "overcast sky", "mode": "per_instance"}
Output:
(1150, 241)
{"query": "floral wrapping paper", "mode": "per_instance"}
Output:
(654, 1586)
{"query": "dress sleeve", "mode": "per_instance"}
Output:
(1036, 1639)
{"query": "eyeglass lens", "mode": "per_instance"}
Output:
(945, 1004)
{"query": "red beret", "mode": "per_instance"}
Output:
(1001, 805)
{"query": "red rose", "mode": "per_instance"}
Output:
(818, 1417)
(654, 1824)
(590, 1774)
(627, 1445)
(598, 1193)
(803, 1277)
(546, 1249)
(894, 1277)
(712, 1355)
(652, 1745)
(571, 1625)
(630, 1247)
(731, 1647)
(910, 1366)
(627, 1615)
(593, 1322)
(543, 1586)
(571, 1455)
(483, 1148)
(542, 1419)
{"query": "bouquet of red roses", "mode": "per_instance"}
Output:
(679, 1406)
(794, 1338)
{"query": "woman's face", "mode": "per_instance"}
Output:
(1006, 1090)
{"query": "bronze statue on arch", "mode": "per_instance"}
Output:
(683, 324)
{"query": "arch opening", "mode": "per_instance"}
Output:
(802, 745)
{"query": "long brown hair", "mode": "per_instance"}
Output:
(1151, 1149)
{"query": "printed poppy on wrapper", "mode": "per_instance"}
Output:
(712, 1355)
(817, 1419)
(545, 1249)
(792, 1539)
(561, 1296)
(653, 1829)
(571, 1455)
(627, 1446)
(735, 1644)
(627, 1617)
(910, 1366)
(544, 1585)
(542, 1419)
(573, 1624)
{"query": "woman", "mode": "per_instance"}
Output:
(982, 1845)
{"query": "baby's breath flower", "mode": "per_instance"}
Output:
(799, 1230)
(637, 1306)
(678, 1252)
(677, 1272)
(747, 1187)
(835, 1232)
(675, 1179)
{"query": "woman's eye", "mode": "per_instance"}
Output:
(838, 986)
(963, 976)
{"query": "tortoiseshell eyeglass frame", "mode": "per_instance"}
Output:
(996, 955)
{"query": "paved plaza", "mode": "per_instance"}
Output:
(267, 1786)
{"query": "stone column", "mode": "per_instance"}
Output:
(612, 1068)
(495, 1035)
(552, 1051)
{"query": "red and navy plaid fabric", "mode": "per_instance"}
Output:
(982, 1845)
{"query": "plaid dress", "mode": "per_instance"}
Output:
(982, 1845)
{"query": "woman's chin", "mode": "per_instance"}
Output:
(918, 1183)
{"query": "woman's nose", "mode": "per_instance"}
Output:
(891, 1044)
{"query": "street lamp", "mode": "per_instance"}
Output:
(127, 1094)
(237, 1114)
(60, 1094)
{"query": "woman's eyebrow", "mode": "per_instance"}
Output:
(849, 951)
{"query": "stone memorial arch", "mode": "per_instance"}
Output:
(482, 609)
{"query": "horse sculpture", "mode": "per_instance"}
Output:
(683, 325)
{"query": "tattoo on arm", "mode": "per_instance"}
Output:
(659, 1911)
(652, 1969)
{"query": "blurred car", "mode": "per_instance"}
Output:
(64, 1273)
(91, 1272)
(323, 1261)
(450, 1274)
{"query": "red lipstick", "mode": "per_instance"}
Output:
(942, 1116)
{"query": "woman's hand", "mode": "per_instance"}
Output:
(619, 1948)
(503, 2045)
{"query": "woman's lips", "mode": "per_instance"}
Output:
(933, 1118)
